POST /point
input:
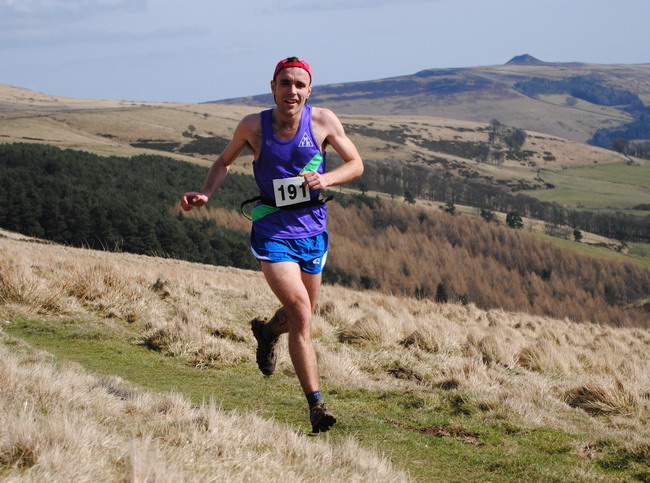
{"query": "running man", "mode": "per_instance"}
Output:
(289, 235)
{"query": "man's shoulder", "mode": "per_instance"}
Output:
(321, 112)
(323, 116)
(253, 118)
(251, 122)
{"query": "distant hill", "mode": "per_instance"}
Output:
(525, 59)
(502, 92)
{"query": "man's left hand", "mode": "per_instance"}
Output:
(314, 180)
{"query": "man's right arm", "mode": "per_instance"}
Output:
(330, 128)
(219, 169)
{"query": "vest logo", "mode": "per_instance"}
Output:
(305, 142)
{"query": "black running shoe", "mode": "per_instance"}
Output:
(321, 418)
(266, 357)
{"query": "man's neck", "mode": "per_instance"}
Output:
(285, 125)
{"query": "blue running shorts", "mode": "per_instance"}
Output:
(310, 253)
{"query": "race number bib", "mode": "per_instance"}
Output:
(290, 191)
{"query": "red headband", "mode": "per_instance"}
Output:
(283, 64)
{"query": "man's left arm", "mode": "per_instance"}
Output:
(351, 169)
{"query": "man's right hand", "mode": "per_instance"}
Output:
(193, 200)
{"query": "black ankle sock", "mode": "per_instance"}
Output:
(314, 399)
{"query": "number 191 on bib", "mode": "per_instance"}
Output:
(290, 191)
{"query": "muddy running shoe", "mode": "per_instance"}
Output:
(321, 418)
(265, 355)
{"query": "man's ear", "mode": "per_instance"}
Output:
(273, 85)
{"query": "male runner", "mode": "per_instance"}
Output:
(289, 235)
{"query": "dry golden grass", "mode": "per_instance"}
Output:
(80, 427)
(107, 127)
(583, 378)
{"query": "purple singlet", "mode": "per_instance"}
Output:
(277, 161)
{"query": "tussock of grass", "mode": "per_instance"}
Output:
(597, 398)
(542, 357)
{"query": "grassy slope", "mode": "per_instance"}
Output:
(638, 258)
(610, 186)
(71, 417)
(489, 423)
(394, 422)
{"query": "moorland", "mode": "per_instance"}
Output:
(486, 298)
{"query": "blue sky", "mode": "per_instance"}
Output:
(201, 50)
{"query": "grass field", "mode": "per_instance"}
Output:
(434, 436)
(602, 187)
(423, 391)
(637, 174)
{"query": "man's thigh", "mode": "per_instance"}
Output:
(291, 285)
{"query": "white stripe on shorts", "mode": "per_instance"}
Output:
(258, 256)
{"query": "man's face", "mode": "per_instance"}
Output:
(290, 89)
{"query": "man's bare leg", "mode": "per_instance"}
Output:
(279, 323)
(298, 294)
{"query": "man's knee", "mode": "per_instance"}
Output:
(299, 317)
